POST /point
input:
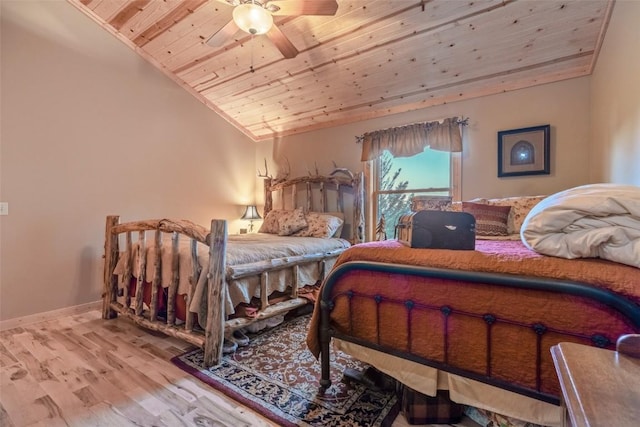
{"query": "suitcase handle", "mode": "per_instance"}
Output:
(395, 229)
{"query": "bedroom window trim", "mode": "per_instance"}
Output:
(412, 139)
(371, 179)
(407, 141)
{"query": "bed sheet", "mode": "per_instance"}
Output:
(242, 250)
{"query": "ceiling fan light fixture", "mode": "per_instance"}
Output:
(252, 18)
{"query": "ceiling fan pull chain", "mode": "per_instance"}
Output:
(251, 43)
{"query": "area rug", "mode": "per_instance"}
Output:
(278, 377)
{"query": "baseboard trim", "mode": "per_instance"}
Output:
(49, 315)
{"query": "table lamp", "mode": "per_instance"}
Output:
(250, 214)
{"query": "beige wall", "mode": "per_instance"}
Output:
(90, 129)
(615, 89)
(563, 105)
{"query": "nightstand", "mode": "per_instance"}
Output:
(600, 387)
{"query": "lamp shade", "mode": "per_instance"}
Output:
(251, 213)
(252, 18)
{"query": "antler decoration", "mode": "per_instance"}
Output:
(337, 170)
(317, 171)
(266, 171)
(283, 173)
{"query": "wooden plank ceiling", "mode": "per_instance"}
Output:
(370, 59)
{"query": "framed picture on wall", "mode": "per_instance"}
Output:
(524, 151)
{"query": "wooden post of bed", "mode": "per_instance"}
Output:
(268, 197)
(110, 259)
(214, 334)
(358, 234)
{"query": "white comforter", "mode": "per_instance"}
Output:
(596, 220)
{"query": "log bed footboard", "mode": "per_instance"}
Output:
(213, 337)
(435, 334)
(120, 299)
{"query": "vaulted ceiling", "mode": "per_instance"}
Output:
(370, 59)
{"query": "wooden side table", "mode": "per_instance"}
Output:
(600, 388)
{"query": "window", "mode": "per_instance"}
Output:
(406, 161)
(396, 180)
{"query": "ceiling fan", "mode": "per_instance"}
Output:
(256, 17)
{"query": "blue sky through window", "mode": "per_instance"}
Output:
(427, 169)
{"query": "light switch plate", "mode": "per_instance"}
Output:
(4, 208)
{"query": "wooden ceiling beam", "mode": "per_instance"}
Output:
(182, 11)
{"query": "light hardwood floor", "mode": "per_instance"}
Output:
(81, 370)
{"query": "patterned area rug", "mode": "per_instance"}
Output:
(277, 376)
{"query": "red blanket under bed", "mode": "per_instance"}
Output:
(513, 355)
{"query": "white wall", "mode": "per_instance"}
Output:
(615, 88)
(89, 128)
(564, 105)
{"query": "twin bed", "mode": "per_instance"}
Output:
(478, 323)
(201, 284)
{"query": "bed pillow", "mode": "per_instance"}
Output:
(436, 203)
(338, 232)
(490, 220)
(520, 207)
(270, 222)
(320, 225)
(291, 221)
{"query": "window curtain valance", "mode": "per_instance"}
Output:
(406, 141)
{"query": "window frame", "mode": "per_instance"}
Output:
(371, 172)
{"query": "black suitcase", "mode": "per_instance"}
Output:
(437, 230)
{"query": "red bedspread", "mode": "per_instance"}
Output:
(510, 257)
(513, 358)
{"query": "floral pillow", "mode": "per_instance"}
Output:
(320, 225)
(291, 222)
(270, 222)
(338, 232)
(490, 220)
(437, 203)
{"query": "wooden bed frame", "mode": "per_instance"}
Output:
(628, 310)
(212, 337)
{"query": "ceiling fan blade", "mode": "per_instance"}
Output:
(223, 34)
(305, 7)
(281, 41)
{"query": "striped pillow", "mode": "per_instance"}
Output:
(490, 220)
